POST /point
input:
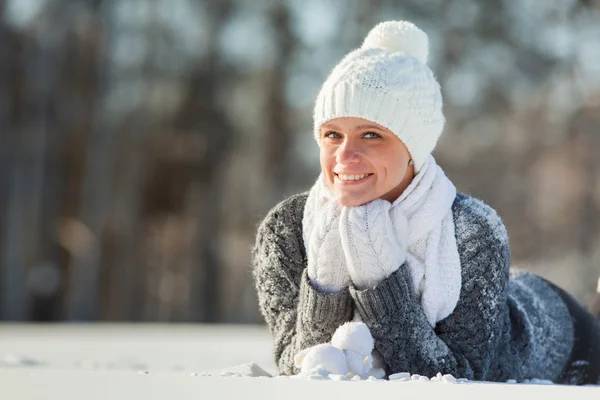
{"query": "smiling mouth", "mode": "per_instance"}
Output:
(352, 178)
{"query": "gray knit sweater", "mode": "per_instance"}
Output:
(500, 329)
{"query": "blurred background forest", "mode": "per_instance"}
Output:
(142, 141)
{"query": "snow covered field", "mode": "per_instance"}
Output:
(186, 362)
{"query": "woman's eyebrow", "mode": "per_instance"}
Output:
(356, 128)
(367, 126)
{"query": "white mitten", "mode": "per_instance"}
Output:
(369, 240)
(323, 355)
(326, 265)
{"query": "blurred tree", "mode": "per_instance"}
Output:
(13, 293)
(92, 44)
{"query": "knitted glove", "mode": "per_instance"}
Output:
(324, 356)
(374, 240)
(326, 265)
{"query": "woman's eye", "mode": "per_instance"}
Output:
(332, 135)
(372, 135)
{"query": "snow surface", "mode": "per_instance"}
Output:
(147, 361)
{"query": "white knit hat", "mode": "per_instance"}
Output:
(387, 81)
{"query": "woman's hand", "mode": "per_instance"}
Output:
(374, 239)
(326, 264)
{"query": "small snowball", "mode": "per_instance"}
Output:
(449, 378)
(353, 336)
(358, 364)
(399, 376)
(356, 378)
(325, 356)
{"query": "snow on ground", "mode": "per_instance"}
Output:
(197, 362)
(129, 347)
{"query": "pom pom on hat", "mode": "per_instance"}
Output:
(399, 36)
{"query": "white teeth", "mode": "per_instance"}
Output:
(352, 177)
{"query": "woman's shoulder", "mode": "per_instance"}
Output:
(474, 219)
(286, 215)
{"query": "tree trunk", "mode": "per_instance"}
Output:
(83, 298)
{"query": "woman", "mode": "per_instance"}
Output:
(383, 234)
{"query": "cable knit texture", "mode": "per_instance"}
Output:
(500, 329)
(326, 264)
(369, 242)
(418, 227)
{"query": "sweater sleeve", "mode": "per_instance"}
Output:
(298, 316)
(460, 345)
(490, 334)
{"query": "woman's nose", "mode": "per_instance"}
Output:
(348, 152)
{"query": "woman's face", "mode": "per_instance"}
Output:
(362, 161)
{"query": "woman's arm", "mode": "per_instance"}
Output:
(463, 344)
(297, 315)
(500, 328)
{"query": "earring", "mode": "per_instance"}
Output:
(411, 162)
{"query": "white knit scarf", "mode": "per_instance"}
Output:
(432, 257)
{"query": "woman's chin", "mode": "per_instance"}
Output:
(352, 201)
